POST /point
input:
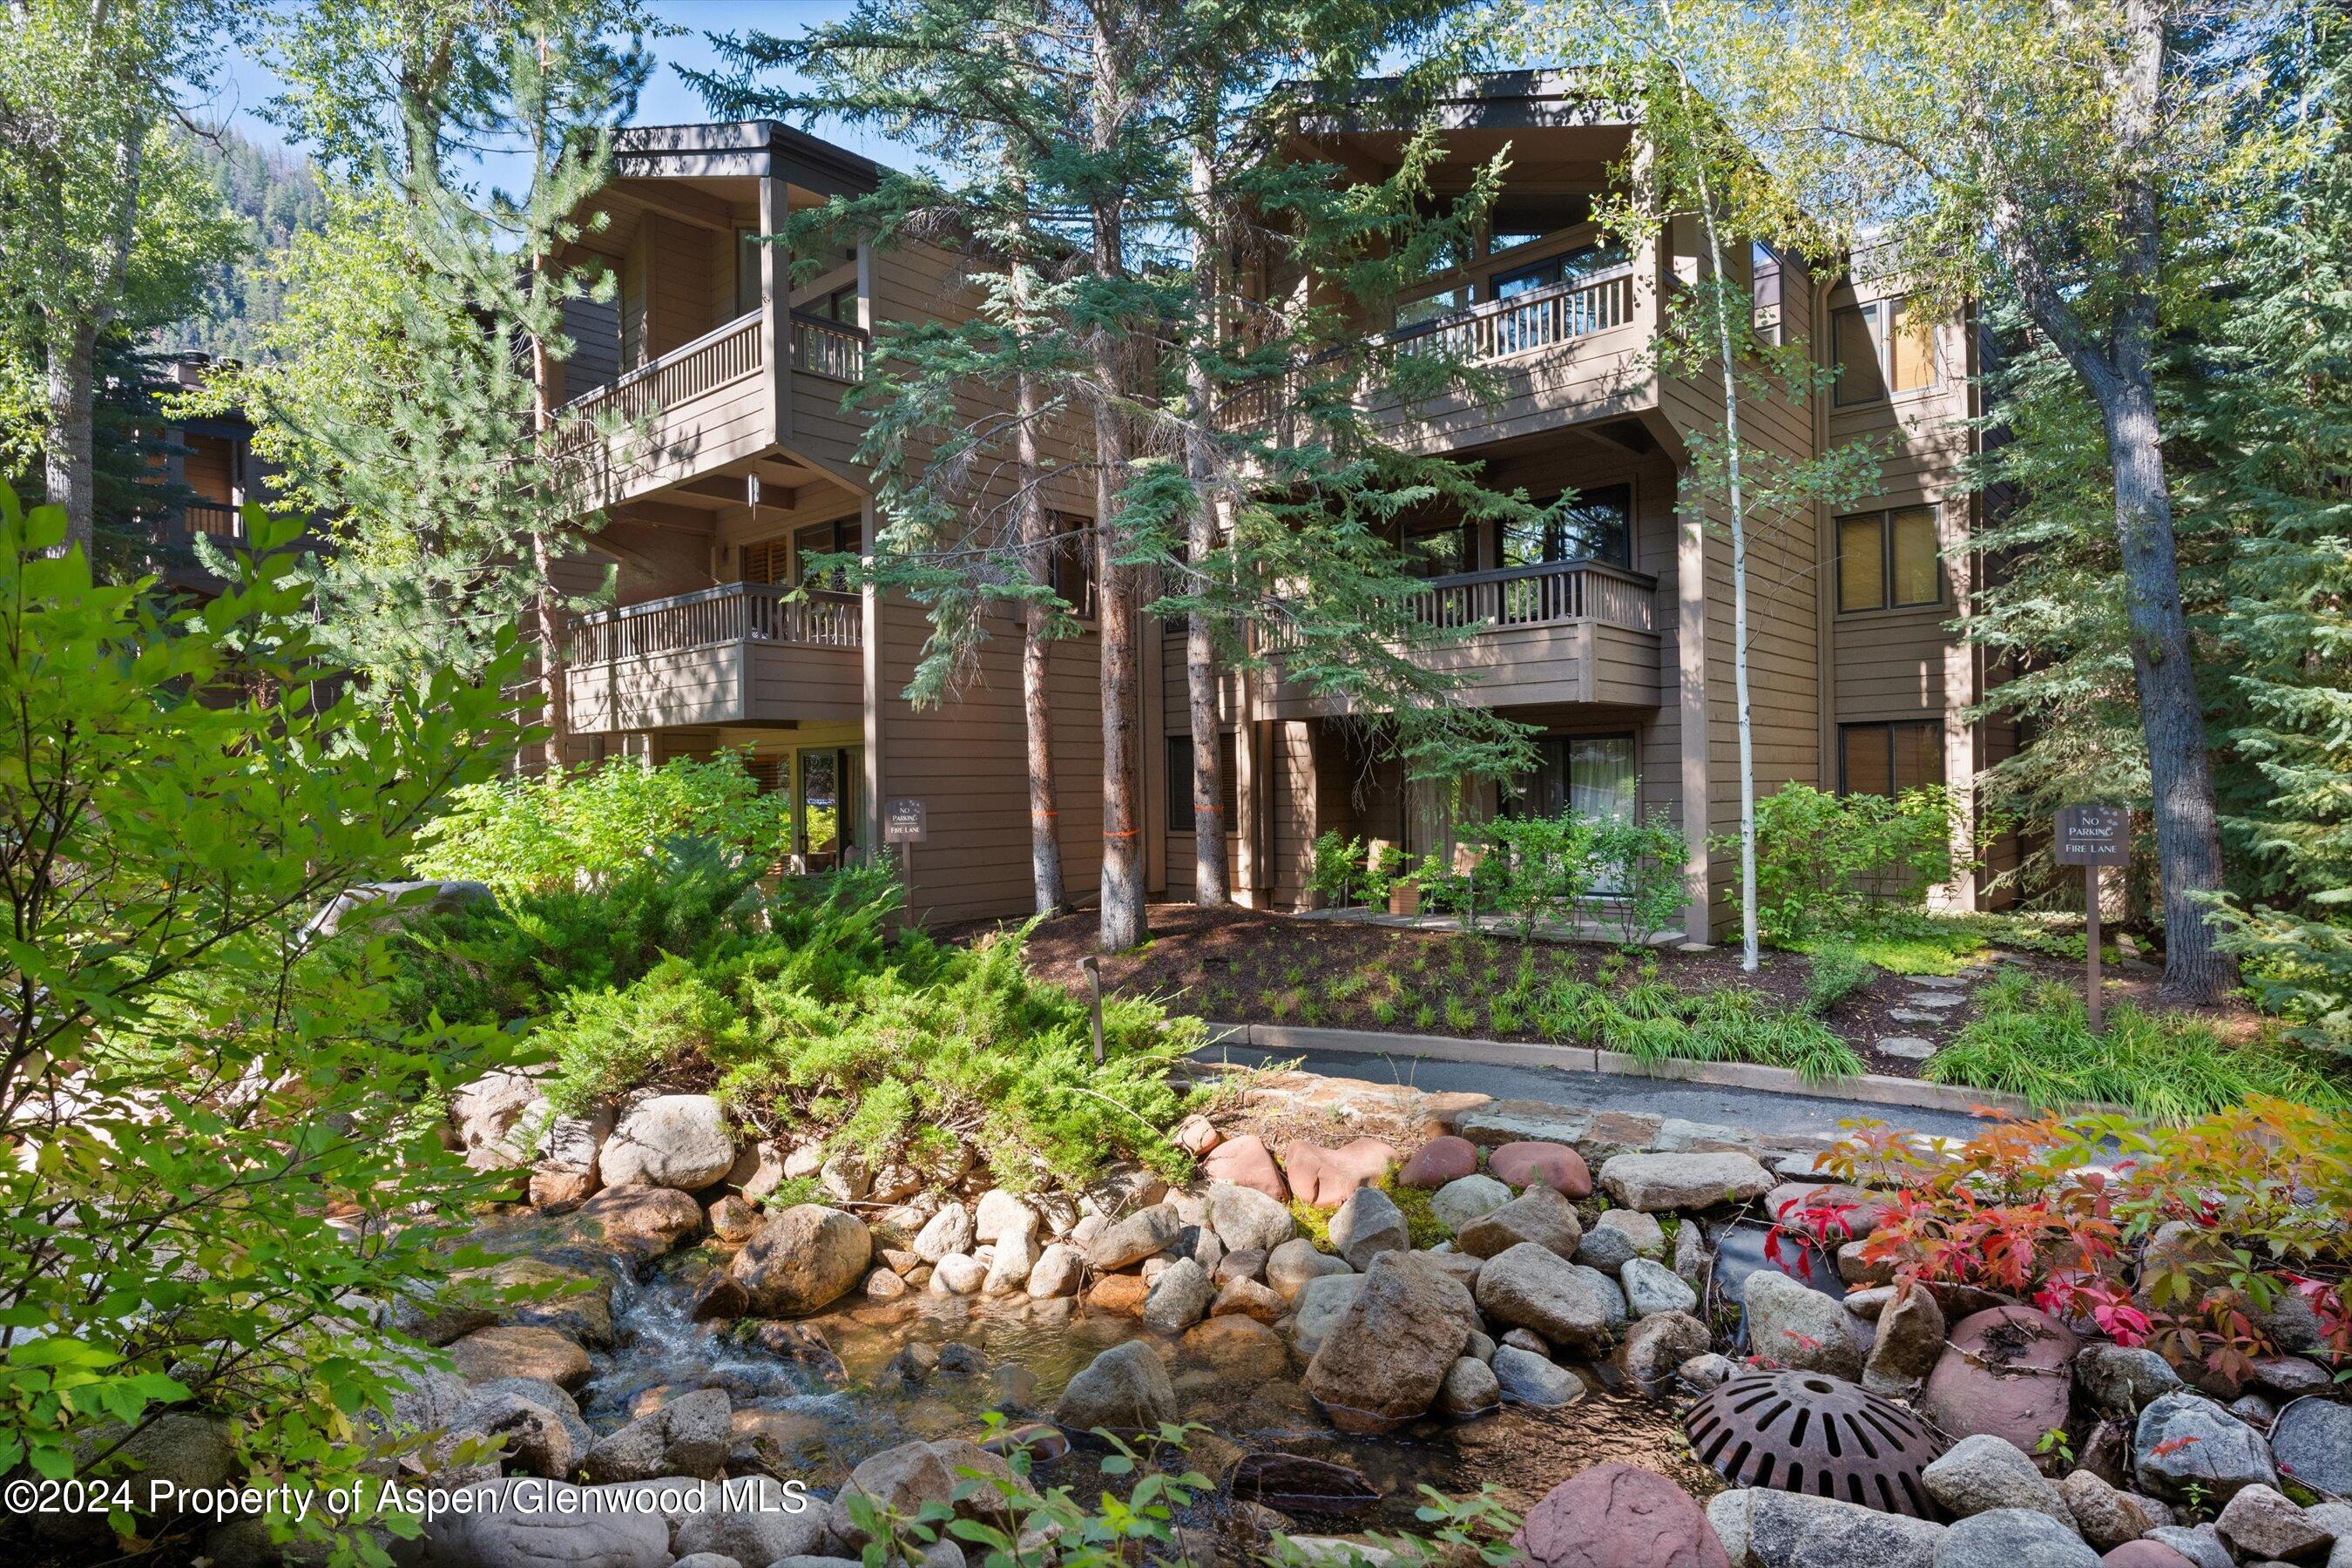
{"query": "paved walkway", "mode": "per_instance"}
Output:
(1753, 1110)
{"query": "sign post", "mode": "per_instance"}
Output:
(2091, 837)
(905, 824)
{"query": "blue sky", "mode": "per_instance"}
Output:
(248, 84)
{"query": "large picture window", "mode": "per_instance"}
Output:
(1886, 346)
(1888, 560)
(1598, 525)
(1887, 758)
(1589, 774)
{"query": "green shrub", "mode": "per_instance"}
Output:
(560, 831)
(1825, 863)
(1542, 864)
(1338, 870)
(1735, 1026)
(2296, 966)
(606, 1042)
(2032, 1038)
(1837, 973)
(1641, 866)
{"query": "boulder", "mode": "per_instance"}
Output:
(1619, 1237)
(2122, 1380)
(1651, 1288)
(755, 1519)
(1246, 1163)
(1322, 1302)
(1122, 1295)
(732, 1220)
(688, 1435)
(1289, 1267)
(2151, 1554)
(2198, 1545)
(1704, 1373)
(802, 1260)
(1658, 1346)
(1057, 1273)
(2106, 1516)
(1470, 1389)
(488, 1353)
(998, 1213)
(535, 1439)
(1240, 1348)
(1760, 1528)
(1618, 1516)
(2184, 1443)
(572, 1302)
(1909, 1341)
(906, 1478)
(957, 1274)
(1540, 1215)
(495, 1119)
(526, 1522)
(1017, 1257)
(1247, 1298)
(1534, 1288)
(2290, 1375)
(1124, 1389)
(1245, 1219)
(1132, 1239)
(1246, 1263)
(1467, 1199)
(2262, 1523)
(1324, 1178)
(1981, 1473)
(1536, 1382)
(2005, 1371)
(1611, 1294)
(1440, 1162)
(1196, 1135)
(1384, 1361)
(1531, 1163)
(2312, 1444)
(676, 1140)
(949, 1230)
(1179, 1297)
(2012, 1538)
(1367, 1225)
(639, 1222)
(1792, 1325)
(1654, 1184)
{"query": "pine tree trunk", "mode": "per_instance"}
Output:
(548, 609)
(1211, 888)
(1036, 658)
(68, 464)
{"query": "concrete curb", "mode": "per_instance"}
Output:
(1870, 1088)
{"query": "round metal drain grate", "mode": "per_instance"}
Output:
(1807, 1432)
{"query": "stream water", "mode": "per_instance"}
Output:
(815, 1417)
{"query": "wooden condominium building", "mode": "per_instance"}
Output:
(1610, 631)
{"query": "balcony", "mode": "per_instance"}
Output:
(1571, 351)
(1567, 632)
(742, 653)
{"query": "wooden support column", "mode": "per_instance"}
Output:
(776, 303)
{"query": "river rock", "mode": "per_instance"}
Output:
(1132, 1239)
(1122, 1295)
(1706, 1374)
(2219, 1457)
(687, 1436)
(957, 1274)
(1654, 1183)
(640, 1222)
(535, 1437)
(1246, 1163)
(2123, 1379)
(1619, 1237)
(802, 1260)
(1909, 1341)
(1613, 1296)
(525, 1521)
(1651, 1288)
(949, 1230)
(1242, 1348)
(1248, 1298)
(1367, 1225)
(2290, 1375)
(2260, 1523)
(676, 1140)
(1534, 1288)
(1980, 1473)
(1246, 1218)
(2012, 1538)
(2006, 1372)
(2311, 1443)
(1658, 1345)
(1467, 1199)
(721, 1297)
(1540, 1215)
(2106, 1516)
(1760, 1528)
(2200, 1545)
(1124, 1389)
(1383, 1363)
(1322, 1302)
(1536, 1382)
(1470, 1389)
(755, 1519)
(732, 1219)
(1530, 1162)
(1289, 1267)
(1439, 1163)
(1325, 1178)
(1056, 1272)
(2153, 1554)
(1618, 1516)
(1179, 1299)
(1792, 1325)
(1016, 1260)
(998, 1212)
(488, 1353)
(1246, 1263)
(493, 1114)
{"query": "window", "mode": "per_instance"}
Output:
(766, 561)
(1566, 268)
(841, 305)
(831, 804)
(1589, 774)
(1179, 783)
(1429, 307)
(838, 537)
(1887, 758)
(1596, 526)
(747, 271)
(1072, 569)
(1887, 345)
(1441, 553)
(1888, 559)
(1520, 217)
(1764, 280)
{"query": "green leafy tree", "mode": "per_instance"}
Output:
(222, 1138)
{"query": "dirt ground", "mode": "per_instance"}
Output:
(1247, 967)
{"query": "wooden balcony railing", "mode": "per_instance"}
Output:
(217, 519)
(835, 350)
(1539, 595)
(718, 617)
(1489, 333)
(726, 353)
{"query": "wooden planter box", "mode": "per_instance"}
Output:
(1404, 900)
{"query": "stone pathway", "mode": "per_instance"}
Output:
(1931, 1007)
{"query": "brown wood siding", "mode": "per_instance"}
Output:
(737, 684)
